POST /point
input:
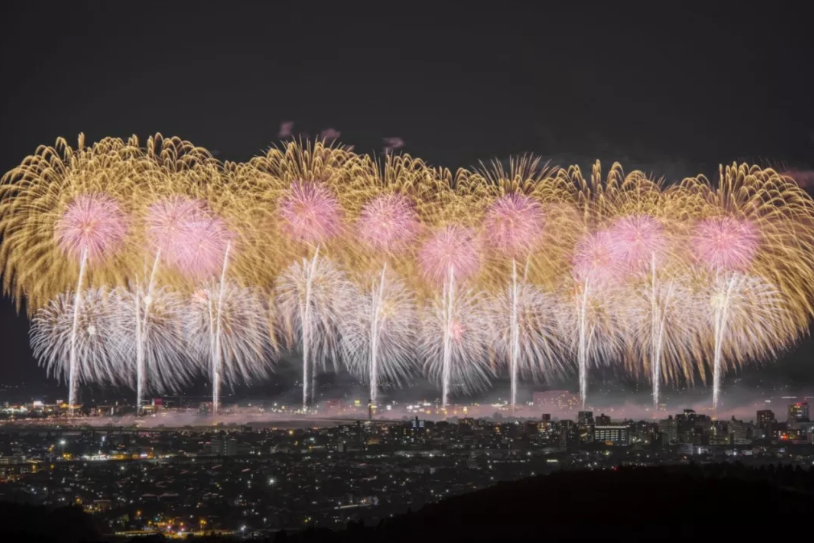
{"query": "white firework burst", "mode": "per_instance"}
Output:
(98, 358)
(458, 320)
(662, 323)
(750, 319)
(154, 323)
(379, 336)
(313, 297)
(531, 327)
(227, 330)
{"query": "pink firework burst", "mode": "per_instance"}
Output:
(636, 240)
(168, 219)
(594, 261)
(93, 225)
(514, 224)
(388, 223)
(453, 247)
(310, 213)
(199, 247)
(726, 244)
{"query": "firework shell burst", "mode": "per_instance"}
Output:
(162, 314)
(594, 262)
(391, 305)
(543, 348)
(388, 223)
(66, 199)
(614, 255)
(310, 213)
(453, 248)
(469, 340)
(726, 244)
(242, 332)
(514, 224)
(637, 241)
(92, 225)
(332, 298)
(99, 355)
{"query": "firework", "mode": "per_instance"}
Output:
(379, 337)
(639, 244)
(452, 252)
(313, 297)
(455, 343)
(662, 320)
(750, 321)
(388, 223)
(226, 328)
(379, 340)
(595, 270)
(513, 226)
(310, 213)
(661, 278)
(726, 244)
(86, 336)
(90, 228)
(527, 323)
(46, 204)
(151, 326)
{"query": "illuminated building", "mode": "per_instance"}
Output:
(616, 434)
(558, 399)
(669, 430)
(586, 418)
(603, 420)
(798, 412)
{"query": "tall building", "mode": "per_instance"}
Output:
(798, 412)
(669, 430)
(585, 420)
(766, 424)
(603, 420)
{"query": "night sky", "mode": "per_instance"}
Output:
(674, 91)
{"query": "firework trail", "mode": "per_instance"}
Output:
(663, 320)
(750, 318)
(310, 214)
(455, 342)
(596, 272)
(527, 324)
(453, 252)
(65, 217)
(151, 324)
(226, 326)
(381, 338)
(640, 246)
(725, 246)
(88, 336)
(91, 227)
(514, 225)
(379, 341)
(183, 236)
(313, 297)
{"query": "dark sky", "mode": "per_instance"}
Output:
(673, 89)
